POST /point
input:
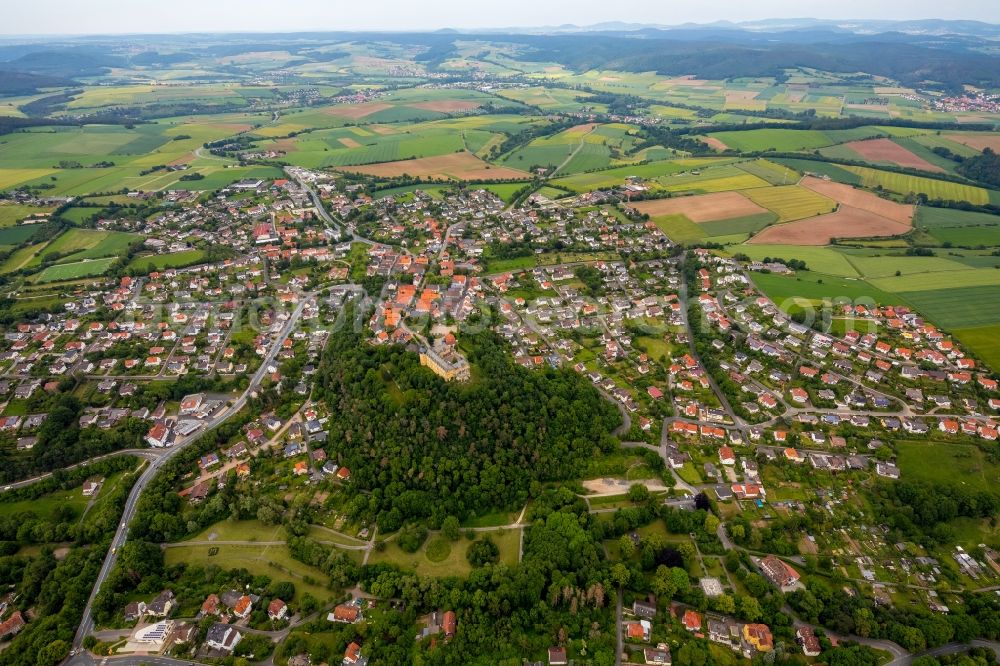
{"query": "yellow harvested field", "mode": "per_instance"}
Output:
(13, 177)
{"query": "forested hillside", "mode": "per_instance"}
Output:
(424, 447)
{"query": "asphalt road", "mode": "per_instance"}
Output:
(121, 536)
(150, 454)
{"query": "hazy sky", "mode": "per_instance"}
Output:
(35, 17)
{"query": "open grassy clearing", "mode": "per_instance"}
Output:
(749, 224)
(21, 258)
(273, 561)
(679, 228)
(441, 558)
(713, 179)
(952, 464)
(885, 265)
(457, 166)
(17, 235)
(833, 171)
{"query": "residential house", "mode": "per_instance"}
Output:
(346, 613)
(162, 604)
(277, 609)
(222, 637)
(806, 637)
(779, 573)
(243, 607)
(557, 656)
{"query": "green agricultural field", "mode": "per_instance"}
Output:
(548, 99)
(956, 308)
(791, 202)
(713, 179)
(782, 140)
(738, 225)
(614, 177)
(679, 228)
(17, 235)
(21, 258)
(80, 215)
(589, 156)
(159, 262)
(968, 236)
(77, 244)
(937, 141)
(933, 188)
(952, 464)
(834, 172)
(811, 287)
(10, 178)
(933, 218)
(11, 214)
(982, 341)
(973, 277)
(818, 259)
(80, 269)
(505, 191)
(217, 178)
(886, 265)
(772, 172)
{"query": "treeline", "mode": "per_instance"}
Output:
(440, 448)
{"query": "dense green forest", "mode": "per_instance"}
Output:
(984, 168)
(425, 448)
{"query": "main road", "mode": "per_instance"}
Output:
(121, 535)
